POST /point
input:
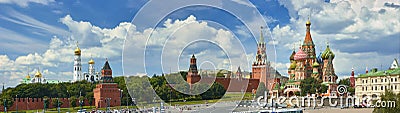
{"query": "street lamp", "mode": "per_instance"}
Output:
(108, 104)
(80, 99)
(44, 105)
(68, 100)
(5, 105)
(58, 105)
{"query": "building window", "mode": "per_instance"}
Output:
(362, 88)
(381, 87)
(376, 80)
(391, 79)
(381, 80)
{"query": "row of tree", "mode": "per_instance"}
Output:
(171, 87)
(75, 91)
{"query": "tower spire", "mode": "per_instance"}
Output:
(261, 35)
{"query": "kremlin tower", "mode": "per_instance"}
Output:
(107, 91)
(77, 65)
(193, 75)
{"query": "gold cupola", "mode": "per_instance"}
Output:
(77, 50)
(38, 74)
(91, 61)
(28, 76)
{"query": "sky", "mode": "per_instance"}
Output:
(153, 37)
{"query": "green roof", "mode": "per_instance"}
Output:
(381, 73)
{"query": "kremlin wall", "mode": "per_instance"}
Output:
(38, 103)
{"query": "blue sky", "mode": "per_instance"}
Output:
(42, 34)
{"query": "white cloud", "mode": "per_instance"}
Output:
(25, 3)
(244, 2)
(22, 19)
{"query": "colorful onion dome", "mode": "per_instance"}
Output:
(315, 64)
(300, 55)
(293, 65)
(327, 53)
(292, 56)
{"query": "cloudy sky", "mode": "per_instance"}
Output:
(154, 37)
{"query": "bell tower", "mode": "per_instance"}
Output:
(77, 64)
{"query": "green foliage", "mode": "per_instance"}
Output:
(72, 101)
(216, 91)
(7, 99)
(220, 74)
(261, 89)
(389, 96)
(345, 81)
(56, 102)
(60, 90)
(183, 74)
(46, 102)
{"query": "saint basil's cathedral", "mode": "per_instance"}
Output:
(304, 63)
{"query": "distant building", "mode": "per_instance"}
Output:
(91, 75)
(77, 64)
(374, 83)
(37, 78)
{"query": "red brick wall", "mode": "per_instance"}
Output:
(37, 103)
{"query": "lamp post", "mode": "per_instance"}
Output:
(5, 105)
(44, 105)
(80, 100)
(16, 105)
(58, 105)
(108, 104)
(120, 99)
(68, 100)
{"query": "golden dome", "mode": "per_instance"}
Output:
(28, 77)
(38, 74)
(77, 51)
(308, 22)
(91, 61)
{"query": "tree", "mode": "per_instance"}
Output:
(183, 74)
(8, 101)
(310, 85)
(55, 102)
(72, 102)
(346, 82)
(261, 89)
(389, 96)
(46, 102)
